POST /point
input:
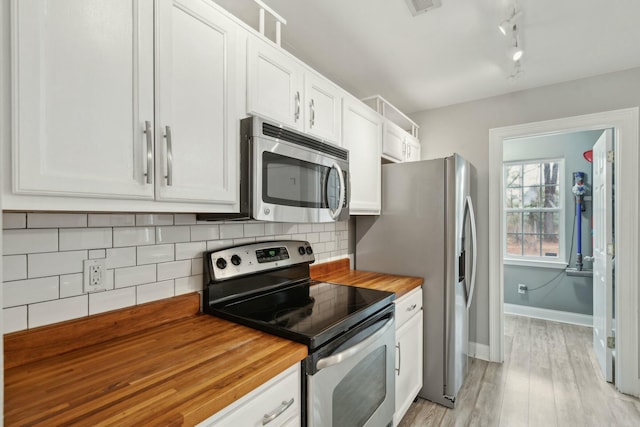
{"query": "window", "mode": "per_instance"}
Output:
(534, 210)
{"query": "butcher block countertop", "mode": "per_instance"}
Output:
(339, 272)
(155, 364)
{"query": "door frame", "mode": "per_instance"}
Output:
(625, 130)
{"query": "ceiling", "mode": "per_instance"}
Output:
(454, 53)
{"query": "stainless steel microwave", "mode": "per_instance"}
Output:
(287, 176)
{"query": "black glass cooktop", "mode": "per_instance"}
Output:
(311, 313)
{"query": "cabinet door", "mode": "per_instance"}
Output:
(274, 84)
(394, 146)
(408, 365)
(82, 83)
(323, 108)
(413, 149)
(362, 136)
(196, 132)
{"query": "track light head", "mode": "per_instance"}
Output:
(510, 23)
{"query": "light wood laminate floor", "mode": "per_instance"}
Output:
(550, 377)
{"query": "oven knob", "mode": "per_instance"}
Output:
(301, 250)
(221, 263)
(309, 250)
(235, 260)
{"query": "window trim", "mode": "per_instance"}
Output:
(561, 261)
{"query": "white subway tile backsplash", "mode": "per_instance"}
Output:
(173, 270)
(231, 231)
(148, 257)
(85, 238)
(57, 220)
(112, 220)
(184, 219)
(59, 310)
(197, 266)
(153, 219)
(100, 302)
(154, 291)
(205, 232)
(190, 250)
(131, 276)
(253, 230)
(14, 319)
(97, 253)
(71, 285)
(155, 254)
(14, 220)
(30, 291)
(172, 234)
(55, 263)
(185, 285)
(121, 257)
(14, 267)
(133, 236)
(29, 241)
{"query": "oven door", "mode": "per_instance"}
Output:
(295, 184)
(354, 385)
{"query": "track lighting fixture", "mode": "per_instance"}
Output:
(515, 51)
(510, 23)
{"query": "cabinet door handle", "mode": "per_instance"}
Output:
(169, 175)
(149, 133)
(312, 115)
(412, 307)
(408, 150)
(267, 418)
(404, 148)
(297, 113)
(399, 359)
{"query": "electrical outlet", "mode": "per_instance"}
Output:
(522, 289)
(94, 275)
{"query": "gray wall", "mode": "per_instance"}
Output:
(464, 128)
(563, 293)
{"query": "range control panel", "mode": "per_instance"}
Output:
(258, 257)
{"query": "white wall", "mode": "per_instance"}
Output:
(464, 129)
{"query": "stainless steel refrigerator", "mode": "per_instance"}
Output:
(427, 229)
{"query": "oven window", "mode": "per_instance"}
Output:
(361, 391)
(293, 182)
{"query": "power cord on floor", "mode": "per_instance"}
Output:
(547, 283)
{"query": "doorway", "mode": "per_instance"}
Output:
(625, 129)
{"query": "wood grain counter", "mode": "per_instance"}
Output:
(339, 272)
(177, 373)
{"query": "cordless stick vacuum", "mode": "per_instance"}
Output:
(578, 190)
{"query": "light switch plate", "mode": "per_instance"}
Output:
(94, 275)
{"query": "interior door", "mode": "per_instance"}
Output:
(602, 252)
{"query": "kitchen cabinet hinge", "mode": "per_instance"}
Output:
(611, 156)
(611, 342)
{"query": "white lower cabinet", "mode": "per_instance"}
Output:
(409, 351)
(275, 403)
(362, 136)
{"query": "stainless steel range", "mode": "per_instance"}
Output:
(348, 376)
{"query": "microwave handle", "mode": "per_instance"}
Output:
(335, 214)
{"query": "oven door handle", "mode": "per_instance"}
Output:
(335, 214)
(352, 351)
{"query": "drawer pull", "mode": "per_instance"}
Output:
(276, 412)
(412, 307)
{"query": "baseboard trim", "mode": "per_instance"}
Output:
(479, 351)
(546, 314)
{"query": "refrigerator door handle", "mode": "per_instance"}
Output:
(474, 247)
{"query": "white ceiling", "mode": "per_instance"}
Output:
(454, 53)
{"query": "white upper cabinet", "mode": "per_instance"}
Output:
(413, 149)
(274, 84)
(323, 108)
(280, 88)
(196, 108)
(82, 91)
(394, 146)
(362, 136)
(84, 99)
